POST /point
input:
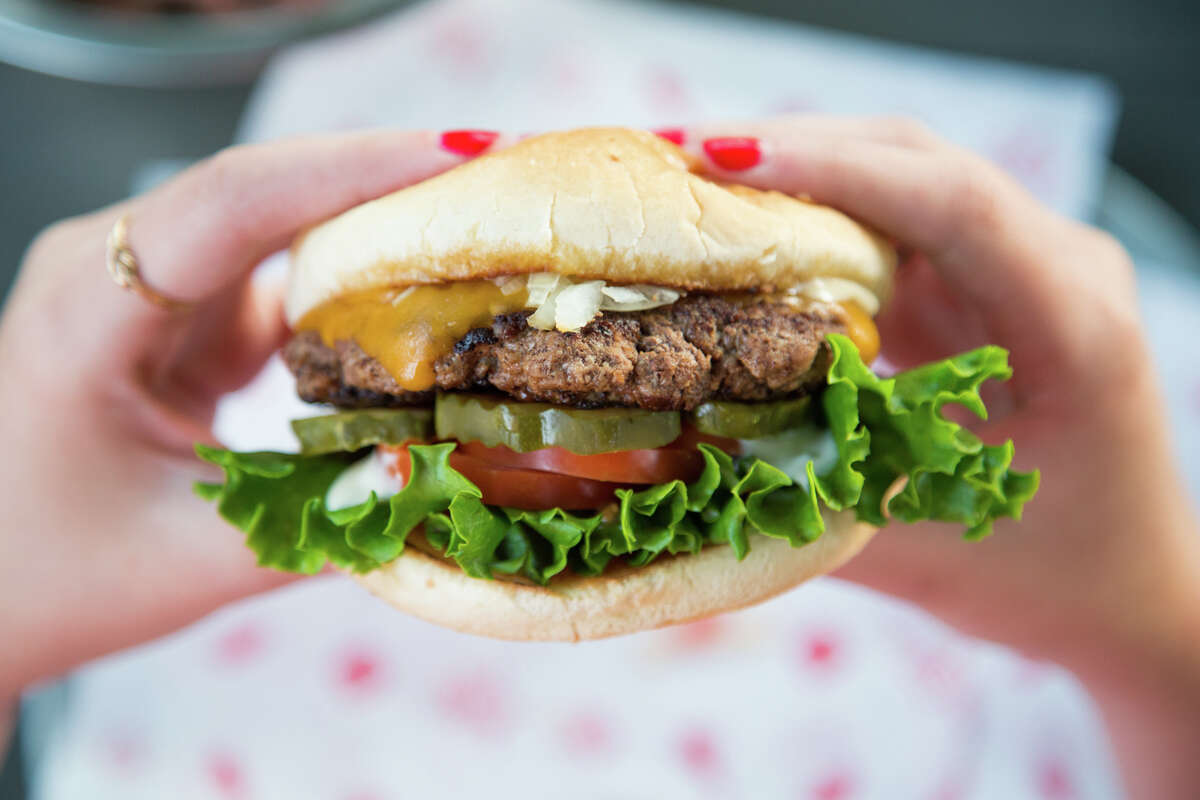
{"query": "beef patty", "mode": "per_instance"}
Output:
(675, 357)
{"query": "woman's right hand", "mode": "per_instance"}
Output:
(1103, 573)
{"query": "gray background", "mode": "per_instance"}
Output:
(69, 147)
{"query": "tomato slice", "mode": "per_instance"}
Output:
(557, 478)
(533, 489)
(513, 486)
(628, 466)
(678, 460)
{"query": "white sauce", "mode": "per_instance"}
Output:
(791, 451)
(355, 484)
(838, 290)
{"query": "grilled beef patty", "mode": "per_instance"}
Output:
(674, 357)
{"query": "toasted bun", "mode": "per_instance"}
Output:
(667, 592)
(620, 205)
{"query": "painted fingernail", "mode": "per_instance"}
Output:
(468, 143)
(733, 153)
(673, 135)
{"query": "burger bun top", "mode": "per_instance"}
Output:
(615, 204)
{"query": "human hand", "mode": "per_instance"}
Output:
(1103, 573)
(105, 394)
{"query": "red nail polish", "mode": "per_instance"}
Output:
(468, 143)
(733, 153)
(673, 135)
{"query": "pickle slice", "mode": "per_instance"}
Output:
(750, 420)
(533, 426)
(348, 431)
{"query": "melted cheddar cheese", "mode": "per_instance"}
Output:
(408, 329)
(860, 329)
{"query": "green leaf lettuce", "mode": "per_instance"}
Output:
(883, 429)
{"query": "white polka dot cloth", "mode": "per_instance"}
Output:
(828, 693)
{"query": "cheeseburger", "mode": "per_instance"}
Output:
(575, 389)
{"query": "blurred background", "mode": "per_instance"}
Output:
(99, 98)
(71, 144)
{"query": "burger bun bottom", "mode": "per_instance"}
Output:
(669, 591)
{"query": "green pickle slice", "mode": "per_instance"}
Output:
(533, 426)
(348, 431)
(750, 420)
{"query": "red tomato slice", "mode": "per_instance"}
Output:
(678, 460)
(519, 488)
(533, 489)
(627, 466)
(557, 478)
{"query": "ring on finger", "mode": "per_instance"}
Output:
(124, 269)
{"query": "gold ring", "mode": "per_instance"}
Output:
(125, 272)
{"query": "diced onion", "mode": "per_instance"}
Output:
(623, 294)
(543, 317)
(566, 306)
(543, 284)
(398, 297)
(578, 305)
(510, 284)
(638, 297)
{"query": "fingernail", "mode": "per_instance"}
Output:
(468, 143)
(733, 153)
(673, 135)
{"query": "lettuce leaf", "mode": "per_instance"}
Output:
(883, 429)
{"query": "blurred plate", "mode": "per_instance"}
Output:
(78, 41)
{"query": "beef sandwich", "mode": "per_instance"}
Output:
(576, 389)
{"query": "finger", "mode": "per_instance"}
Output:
(223, 350)
(895, 130)
(202, 231)
(924, 320)
(199, 235)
